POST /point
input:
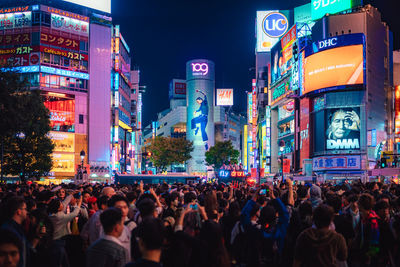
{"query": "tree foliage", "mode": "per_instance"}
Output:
(24, 128)
(166, 151)
(222, 153)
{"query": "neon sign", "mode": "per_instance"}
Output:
(68, 73)
(200, 68)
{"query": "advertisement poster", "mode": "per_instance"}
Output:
(63, 162)
(69, 24)
(334, 67)
(63, 142)
(224, 97)
(15, 20)
(305, 153)
(337, 163)
(60, 41)
(200, 86)
(271, 25)
(343, 128)
(62, 115)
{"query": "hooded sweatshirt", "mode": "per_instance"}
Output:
(320, 247)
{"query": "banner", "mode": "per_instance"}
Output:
(337, 163)
(68, 54)
(224, 97)
(63, 142)
(15, 39)
(343, 128)
(69, 24)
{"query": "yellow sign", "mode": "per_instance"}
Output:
(63, 162)
(64, 142)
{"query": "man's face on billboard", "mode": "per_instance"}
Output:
(340, 125)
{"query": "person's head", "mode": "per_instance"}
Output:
(189, 197)
(108, 191)
(211, 204)
(10, 247)
(147, 208)
(16, 209)
(102, 202)
(55, 206)
(111, 220)
(335, 202)
(323, 216)
(131, 196)
(151, 234)
(121, 203)
(302, 192)
(340, 125)
(268, 216)
(199, 100)
(315, 192)
(382, 209)
(85, 197)
(61, 193)
(255, 211)
(365, 203)
(172, 199)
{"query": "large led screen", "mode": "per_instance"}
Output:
(331, 68)
(343, 128)
(102, 5)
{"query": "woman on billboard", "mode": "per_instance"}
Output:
(343, 128)
(202, 118)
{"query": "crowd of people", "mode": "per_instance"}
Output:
(236, 224)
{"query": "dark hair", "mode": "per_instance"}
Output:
(255, 209)
(381, 204)
(267, 215)
(170, 197)
(115, 198)
(151, 231)
(323, 216)
(366, 201)
(102, 201)
(54, 205)
(109, 218)
(146, 207)
(302, 192)
(189, 197)
(131, 196)
(335, 202)
(13, 204)
(9, 237)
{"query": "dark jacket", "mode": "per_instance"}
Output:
(25, 254)
(320, 247)
(105, 253)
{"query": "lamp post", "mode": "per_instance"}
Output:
(82, 158)
(281, 150)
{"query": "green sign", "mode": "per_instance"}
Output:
(279, 91)
(320, 8)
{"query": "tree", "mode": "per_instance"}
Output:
(222, 153)
(27, 146)
(166, 151)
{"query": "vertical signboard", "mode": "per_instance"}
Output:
(224, 97)
(305, 105)
(249, 108)
(320, 8)
(397, 111)
(254, 112)
(270, 26)
(200, 82)
(245, 154)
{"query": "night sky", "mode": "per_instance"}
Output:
(164, 34)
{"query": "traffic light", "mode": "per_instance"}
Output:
(383, 163)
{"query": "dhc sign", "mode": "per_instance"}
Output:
(327, 43)
(275, 24)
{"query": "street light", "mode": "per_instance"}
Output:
(82, 158)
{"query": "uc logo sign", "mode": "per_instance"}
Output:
(275, 24)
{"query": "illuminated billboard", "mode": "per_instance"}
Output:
(224, 97)
(102, 5)
(320, 8)
(62, 114)
(63, 142)
(69, 24)
(343, 128)
(63, 162)
(397, 111)
(200, 84)
(271, 25)
(333, 63)
(15, 20)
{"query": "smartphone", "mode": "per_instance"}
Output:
(147, 192)
(263, 191)
(193, 206)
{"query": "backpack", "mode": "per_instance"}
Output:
(239, 243)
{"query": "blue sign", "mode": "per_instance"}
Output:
(337, 41)
(68, 73)
(275, 24)
(25, 69)
(337, 163)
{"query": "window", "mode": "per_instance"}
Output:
(80, 118)
(46, 18)
(35, 18)
(56, 60)
(45, 58)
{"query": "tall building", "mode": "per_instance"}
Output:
(330, 92)
(65, 50)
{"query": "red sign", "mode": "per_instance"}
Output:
(68, 54)
(304, 138)
(286, 166)
(57, 40)
(14, 9)
(180, 88)
(19, 60)
(15, 39)
(64, 13)
(238, 174)
(289, 38)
